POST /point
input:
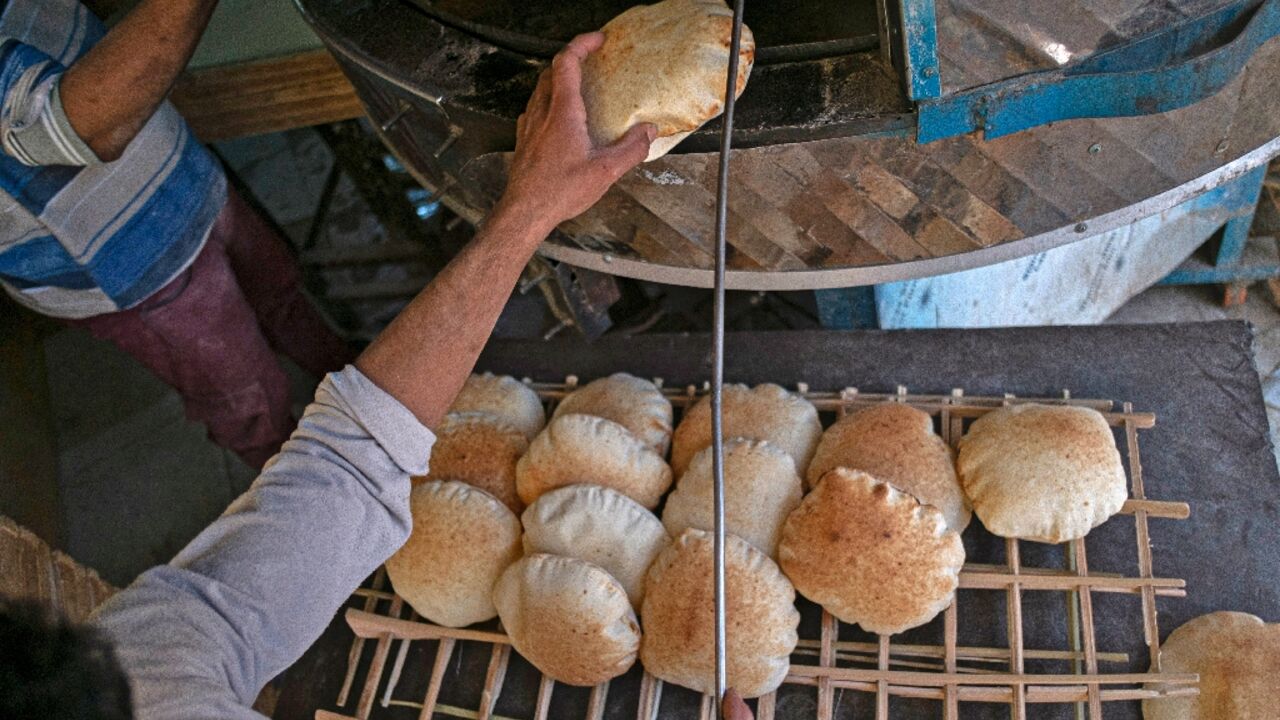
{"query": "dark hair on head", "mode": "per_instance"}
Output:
(53, 670)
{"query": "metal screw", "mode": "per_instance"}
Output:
(608, 258)
(929, 72)
(1081, 227)
(1095, 148)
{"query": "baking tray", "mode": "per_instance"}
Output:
(418, 669)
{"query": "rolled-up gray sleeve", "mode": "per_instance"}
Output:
(34, 128)
(199, 637)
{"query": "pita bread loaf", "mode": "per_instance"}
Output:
(602, 527)
(587, 449)
(679, 617)
(665, 64)
(870, 554)
(896, 443)
(462, 540)
(636, 404)
(1048, 473)
(1237, 656)
(569, 618)
(764, 412)
(761, 489)
(480, 450)
(505, 397)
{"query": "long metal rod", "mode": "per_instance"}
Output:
(717, 362)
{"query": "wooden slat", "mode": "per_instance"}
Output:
(545, 687)
(371, 598)
(1150, 624)
(597, 705)
(398, 666)
(369, 625)
(882, 684)
(443, 654)
(829, 633)
(1064, 581)
(265, 96)
(951, 701)
(940, 680)
(1061, 693)
(493, 680)
(1088, 632)
(1014, 622)
(650, 696)
(380, 651)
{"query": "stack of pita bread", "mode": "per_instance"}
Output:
(877, 540)
(590, 479)
(465, 525)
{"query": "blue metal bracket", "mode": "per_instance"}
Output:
(920, 41)
(1134, 80)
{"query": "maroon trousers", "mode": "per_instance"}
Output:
(212, 334)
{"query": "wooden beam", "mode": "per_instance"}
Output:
(265, 96)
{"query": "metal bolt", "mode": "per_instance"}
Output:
(394, 119)
(556, 330)
(608, 258)
(1081, 227)
(929, 72)
(1095, 148)
(526, 285)
(455, 132)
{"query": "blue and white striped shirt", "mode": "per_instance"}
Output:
(80, 237)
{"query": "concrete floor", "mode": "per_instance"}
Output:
(137, 480)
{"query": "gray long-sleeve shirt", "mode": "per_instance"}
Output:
(199, 637)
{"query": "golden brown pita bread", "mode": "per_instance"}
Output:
(1048, 473)
(896, 443)
(761, 489)
(679, 617)
(765, 412)
(578, 449)
(870, 554)
(479, 449)
(665, 64)
(598, 525)
(462, 539)
(634, 403)
(1237, 656)
(505, 397)
(569, 618)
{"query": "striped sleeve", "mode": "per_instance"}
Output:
(34, 129)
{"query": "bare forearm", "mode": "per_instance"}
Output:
(425, 355)
(111, 92)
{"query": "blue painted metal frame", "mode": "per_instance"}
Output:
(1132, 80)
(920, 40)
(1239, 198)
(848, 308)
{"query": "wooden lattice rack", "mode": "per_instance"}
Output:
(949, 673)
